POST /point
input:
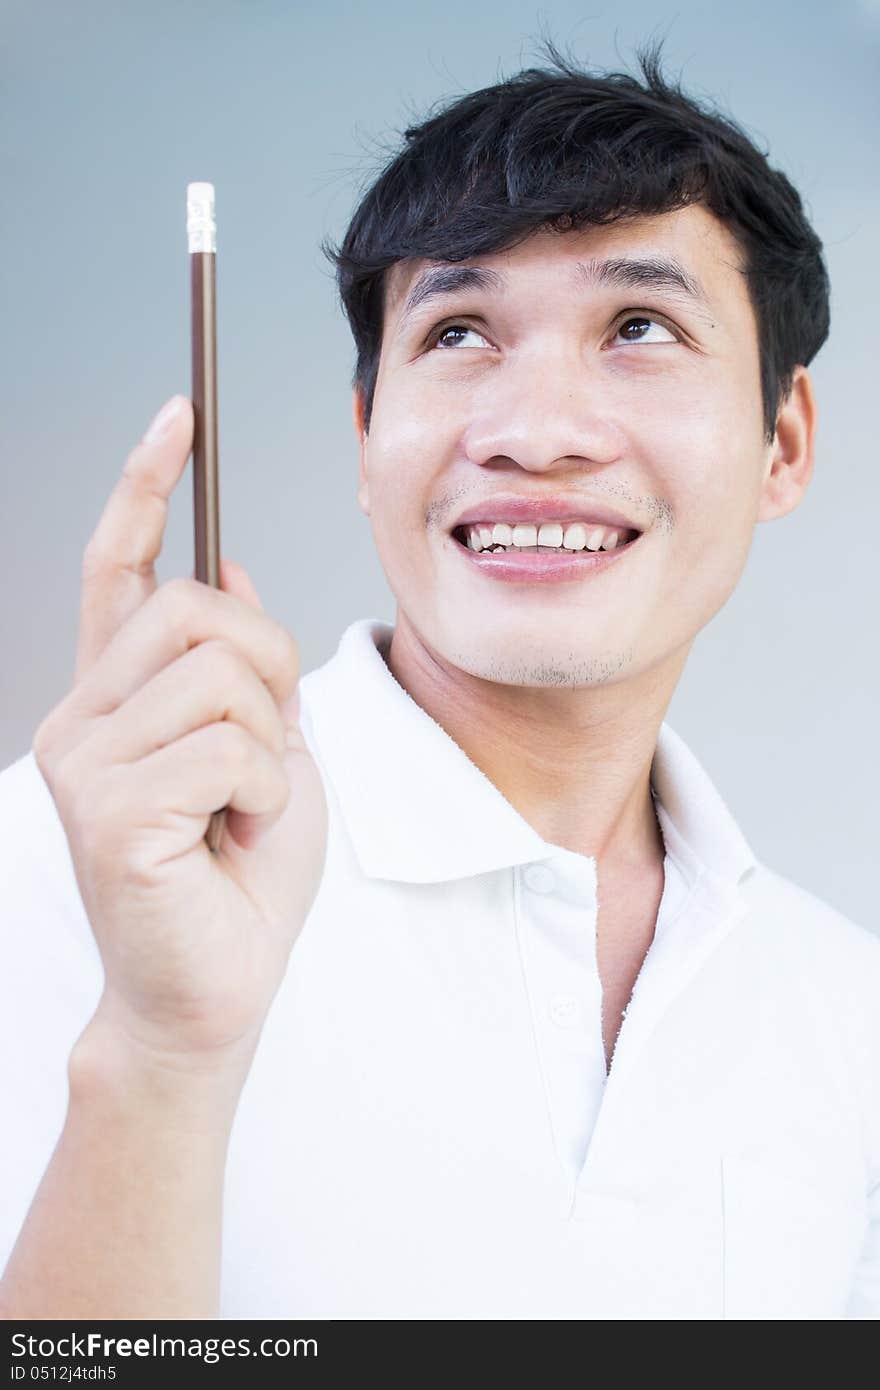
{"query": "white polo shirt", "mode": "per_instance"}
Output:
(427, 1130)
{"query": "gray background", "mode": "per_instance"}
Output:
(108, 111)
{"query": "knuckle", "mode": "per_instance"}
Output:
(69, 788)
(176, 599)
(48, 746)
(225, 677)
(54, 731)
(290, 658)
(42, 742)
(222, 656)
(179, 590)
(238, 745)
(285, 659)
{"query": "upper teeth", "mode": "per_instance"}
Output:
(575, 536)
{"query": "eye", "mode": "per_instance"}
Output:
(439, 334)
(640, 319)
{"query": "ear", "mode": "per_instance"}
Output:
(790, 464)
(358, 418)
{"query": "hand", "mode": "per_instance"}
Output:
(175, 712)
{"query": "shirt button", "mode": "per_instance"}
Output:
(564, 1010)
(539, 878)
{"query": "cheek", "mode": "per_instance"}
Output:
(708, 474)
(404, 448)
(408, 411)
(398, 486)
(408, 453)
(710, 544)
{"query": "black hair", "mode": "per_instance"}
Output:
(562, 148)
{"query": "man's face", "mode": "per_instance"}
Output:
(547, 387)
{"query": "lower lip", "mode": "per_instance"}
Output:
(535, 568)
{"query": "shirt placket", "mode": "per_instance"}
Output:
(556, 920)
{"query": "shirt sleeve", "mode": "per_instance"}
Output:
(50, 983)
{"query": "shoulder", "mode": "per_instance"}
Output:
(811, 951)
(797, 918)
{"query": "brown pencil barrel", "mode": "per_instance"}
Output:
(206, 498)
(206, 494)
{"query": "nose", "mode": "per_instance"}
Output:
(541, 413)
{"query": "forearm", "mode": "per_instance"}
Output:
(127, 1222)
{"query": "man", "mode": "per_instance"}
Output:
(486, 1008)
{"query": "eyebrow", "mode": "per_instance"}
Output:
(654, 272)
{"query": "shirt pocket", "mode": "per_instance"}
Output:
(792, 1233)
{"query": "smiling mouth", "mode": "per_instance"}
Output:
(625, 539)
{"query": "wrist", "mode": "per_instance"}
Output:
(114, 1059)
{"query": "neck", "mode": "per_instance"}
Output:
(575, 763)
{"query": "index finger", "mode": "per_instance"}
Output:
(119, 562)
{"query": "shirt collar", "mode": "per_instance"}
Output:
(419, 811)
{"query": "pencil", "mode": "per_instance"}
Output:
(201, 234)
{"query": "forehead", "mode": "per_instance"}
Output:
(704, 248)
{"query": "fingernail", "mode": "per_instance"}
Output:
(159, 428)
